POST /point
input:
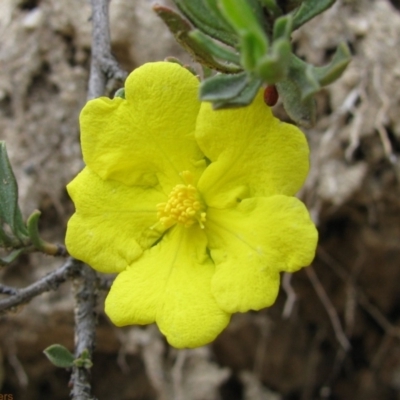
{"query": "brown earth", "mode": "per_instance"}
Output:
(339, 338)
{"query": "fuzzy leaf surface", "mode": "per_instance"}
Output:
(203, 18)
(223, 87)
(309, 9)
(10, 214)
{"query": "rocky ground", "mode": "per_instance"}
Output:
(339, 337)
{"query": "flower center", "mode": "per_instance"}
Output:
(184, 205)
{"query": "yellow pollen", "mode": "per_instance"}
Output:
(184, 205)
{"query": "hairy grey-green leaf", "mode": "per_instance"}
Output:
(219, 51)
(180, 28)
(251, 50)
(253, 41)
(223, 87)
(215, 12)
(10, 214)
(242, 14)
(283, 27)
(329, 73)
(244, 98)
(301, 74)
(302, 112)
(274, 66)
(308, 10)
(310, 79)
(204, 19)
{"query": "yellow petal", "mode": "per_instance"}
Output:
(252, 243)
(171, 285)
(252, 153)
(111, 225)
(149, 136)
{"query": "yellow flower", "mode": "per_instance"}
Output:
(194, 208)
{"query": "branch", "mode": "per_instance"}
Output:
(362, 299)
(103, 65)
(103, 68)
(330, 309)
(50, 282)
(85, 330)
(8, 290)
(290, 293)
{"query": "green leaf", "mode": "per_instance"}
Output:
(242, 15)
(83, 363)
(59, 356)
(308, 10)
(274, 66)
(310, 79)
(33, 230)
(120, 93)
(207, 72)
(84, 360)
(203, 18)
(212, 6)
(301, 74)
(250, 50)
(244, 98)
(272, 6)
(214, 48)
(283, 27)
(10, 214)
(329, 73)
(302, 112)
(252, 38)
(308, 82)
(181, 29)
(223, 87)
(5, 240)
(11, 257)
(214, 11)
(304, 80)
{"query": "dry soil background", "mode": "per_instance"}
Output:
(290, 351)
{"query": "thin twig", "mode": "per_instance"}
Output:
(103, 65)
(330, 309)
(85, 330)
(14, 361)
(290, 293)
(50, 282)
(391, 331)
(361, 297)
(177, 374)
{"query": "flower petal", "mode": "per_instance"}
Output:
(149, 136)
(171, 285)
(111, 225)
(252, 243)
(252, 153)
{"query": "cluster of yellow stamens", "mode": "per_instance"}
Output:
(183, 206)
